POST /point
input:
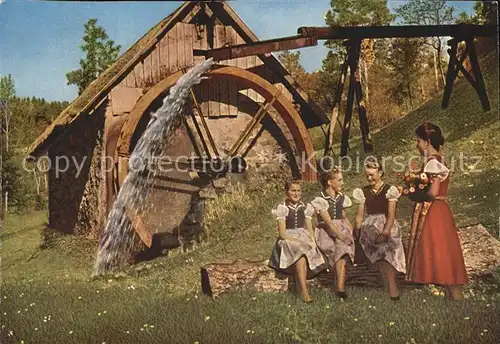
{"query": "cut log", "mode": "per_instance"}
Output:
(256, 275)
(241, 274)
(481, 251)
(481, 254)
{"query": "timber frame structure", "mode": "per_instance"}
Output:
(353, 36)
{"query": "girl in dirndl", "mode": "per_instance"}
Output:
(434, 253)
(379, 231)
(334, 231)
(295, 251)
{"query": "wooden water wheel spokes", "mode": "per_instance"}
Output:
(205, 127)
(263, 109)
(195, 147)
(272, 96)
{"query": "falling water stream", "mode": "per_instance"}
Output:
(118, 237)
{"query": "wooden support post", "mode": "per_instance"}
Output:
(455, 65)
(452, 72)
(478, 77)
(363, 119)
(335, 110)
(353, 50)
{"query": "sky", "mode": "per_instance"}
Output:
(39, 41)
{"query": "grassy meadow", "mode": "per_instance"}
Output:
(48, 296)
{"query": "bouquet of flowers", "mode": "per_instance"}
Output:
(416, 184)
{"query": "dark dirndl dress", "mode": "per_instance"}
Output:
(333, 248)
(286, 252)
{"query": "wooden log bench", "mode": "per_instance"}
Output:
(481, 254)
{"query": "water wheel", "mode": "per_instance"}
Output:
(224, 130)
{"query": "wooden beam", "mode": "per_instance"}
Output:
(467, 75)
(191, 136)
(139, 227)
(452, 72)
(363, 119)
(455, 65)
(478, 76)
(204, 123)
(354, 48)
(251, 126)
(229, 17)
(459, 30)
(335, 110)
(261, 47)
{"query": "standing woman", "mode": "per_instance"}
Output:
(380, 235)
(295, 251)
(434, 253)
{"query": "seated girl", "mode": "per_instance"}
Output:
(295, 251)
(334, 231)
(380, 235)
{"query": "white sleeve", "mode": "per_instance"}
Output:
(347, 202)
(309, 211)
(435, 167)
(392, 194)
(320, 204)
(359, 196)
(281, 212)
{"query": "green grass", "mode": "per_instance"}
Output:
(165, 293)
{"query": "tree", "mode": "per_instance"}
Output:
(464, 18)
(404, 66)
(429, 12)
(7, 92)
(100, 51)
(291, 62)
(7, 87)
(349, 13)
(486, 12)
(358, 13)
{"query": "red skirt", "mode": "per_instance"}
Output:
(438, 257)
